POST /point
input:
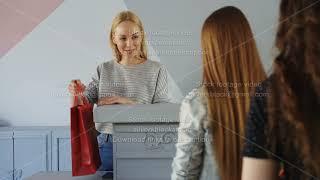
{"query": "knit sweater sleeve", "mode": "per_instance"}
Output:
(92, 89)
(161, 92)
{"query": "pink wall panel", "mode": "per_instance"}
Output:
(19, 17)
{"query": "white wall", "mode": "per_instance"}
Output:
(73, 40)
(69, 44)
(180, 16)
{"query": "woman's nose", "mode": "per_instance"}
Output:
(129, 43)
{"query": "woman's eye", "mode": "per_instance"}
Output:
(123, 39)
(135, 37)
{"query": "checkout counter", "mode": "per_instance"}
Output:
(144, 138)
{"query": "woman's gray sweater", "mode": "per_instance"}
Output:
(145, 83)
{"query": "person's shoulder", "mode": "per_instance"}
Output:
(156, 64)
(106, 64)
(262, 92)
(194, 95)
(266, 84)
(195, 100)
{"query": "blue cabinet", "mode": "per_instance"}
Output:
(6, 154)
(32, 151)
(61, 149)
(25, 151)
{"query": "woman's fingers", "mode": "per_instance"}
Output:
(114, 100)
(107, 100)
(78, 81)
(76, 87)
(71, 89)
(83, 87)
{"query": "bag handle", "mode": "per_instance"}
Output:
(79, 99)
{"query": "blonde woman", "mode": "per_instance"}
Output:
(128, 79)
(212, 117)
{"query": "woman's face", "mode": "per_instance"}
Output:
(128, 37)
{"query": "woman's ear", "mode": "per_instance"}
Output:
(113, 39)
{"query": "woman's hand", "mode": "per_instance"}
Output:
(76, 88)
(114, 100)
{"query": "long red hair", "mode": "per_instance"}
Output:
(232, 70)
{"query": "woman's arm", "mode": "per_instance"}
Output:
(115, 100)
(76, 89)
(262, 169)
(187, 164)
(92, 90)
(161, 92)
(257, 163)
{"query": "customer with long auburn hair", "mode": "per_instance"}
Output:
(285, 126)
(212, 117)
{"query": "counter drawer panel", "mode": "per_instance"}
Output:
(140, 169)
(147, 144)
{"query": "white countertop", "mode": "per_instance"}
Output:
(141, 113)
(62, 175)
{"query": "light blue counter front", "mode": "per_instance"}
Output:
(144, 139)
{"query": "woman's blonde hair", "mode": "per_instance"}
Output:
(232, 69)
(127, 16)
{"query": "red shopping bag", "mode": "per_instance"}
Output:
(84, 145)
